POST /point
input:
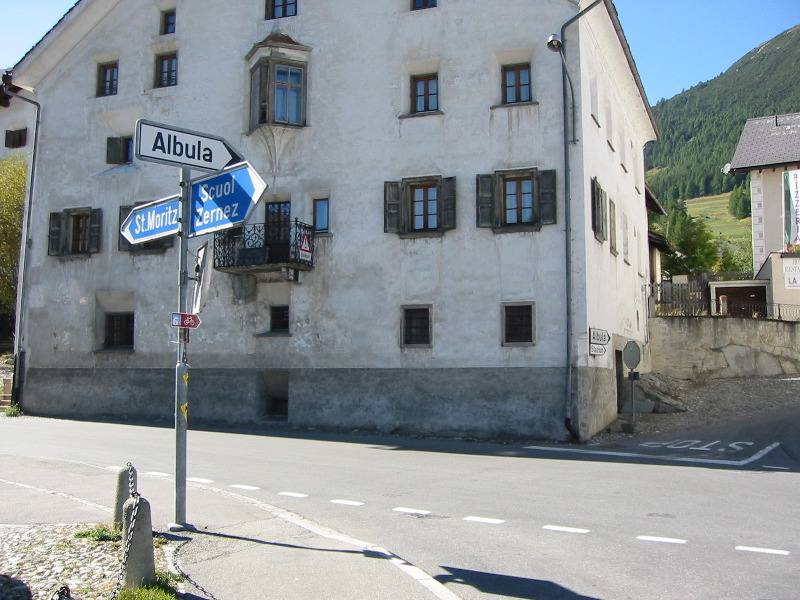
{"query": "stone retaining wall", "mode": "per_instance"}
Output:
(723, 347)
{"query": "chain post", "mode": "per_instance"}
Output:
(129, 534)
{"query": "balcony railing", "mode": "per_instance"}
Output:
(262, 248)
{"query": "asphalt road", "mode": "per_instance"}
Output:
(705, 514)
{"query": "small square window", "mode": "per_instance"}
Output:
(417, 326)
(517, 84)
(518, 324)
(107, 79)
(119, 150)
(420, 4)
(425, 93)
(166, 70)
(277, 9)
(17, 138)
(279, 319)
(119, 331)
(321, 216)
(168, 22)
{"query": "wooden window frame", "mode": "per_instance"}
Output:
(517, 87)
(427, 101)
(168, 22)
(599, 201)
(279, 319)
(264, 91)
(416, 329)
(399, 203)
(322, 216)
(523, 200)
(166, 70)
(75, 232)
(492, 201)
(119, 150)
(107, 79)
(287, 8)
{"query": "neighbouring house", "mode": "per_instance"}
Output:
(769, 151)
(454, 236)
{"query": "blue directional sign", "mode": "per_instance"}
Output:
(152, 220)
(225, 199)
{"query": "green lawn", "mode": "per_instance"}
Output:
(714, 210)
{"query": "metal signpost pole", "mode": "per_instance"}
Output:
(182, 368)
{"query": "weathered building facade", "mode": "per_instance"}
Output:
(475, 204)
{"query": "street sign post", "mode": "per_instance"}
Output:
(225, 199)
(185, 320)
(152, 220)
(178, 147)
(598, 340)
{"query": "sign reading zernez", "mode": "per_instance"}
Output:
(157, 142)
(225, 199)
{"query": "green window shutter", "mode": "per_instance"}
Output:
(485, 200)
(54, 247)
(95, 228)
(547, 197)
(447, 203)
(391, 207)
(115, 151)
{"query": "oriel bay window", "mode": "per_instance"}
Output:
(420, 205)
(518, 200)
(278, 94)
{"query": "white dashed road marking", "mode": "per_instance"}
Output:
(565, 529)
(241, 486)
(157, 474)
(763, 550)
(411, 511)
(293, 495)
(199, 480)
(663, 540)
(484, 520)
(347, 502)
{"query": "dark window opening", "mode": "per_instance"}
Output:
(279, 318)
(420, 4)
(17, 138)
(518, 324)
(416, 326)
(107, 79)
(168, 22)
(119, 331)
(277, 9)
(75, 231)
(166, 70)
(119, 151)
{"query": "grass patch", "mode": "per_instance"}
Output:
(714, 212)
(100, 533)
(13, 411)
(162, 589)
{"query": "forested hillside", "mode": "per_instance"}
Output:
(700, 127)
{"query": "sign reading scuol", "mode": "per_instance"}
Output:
(791, 219)
(791, 273)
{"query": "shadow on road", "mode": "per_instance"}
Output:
(509, 586)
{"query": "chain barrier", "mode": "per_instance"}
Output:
(187, 577)
(129, 535)
(61, 593)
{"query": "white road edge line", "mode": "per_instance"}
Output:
(563, 529)
(423, 578)
(763, 550)
(663, 540)
(776, 468)
(34, 488)
(707, 461)
(347, 502)
(484, 520)
(293, 494)
(411, 511)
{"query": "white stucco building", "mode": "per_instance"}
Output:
(476, 207)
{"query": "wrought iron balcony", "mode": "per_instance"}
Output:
(265, 247)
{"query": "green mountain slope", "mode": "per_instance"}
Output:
(701, 126)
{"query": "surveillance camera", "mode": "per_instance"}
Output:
(554, 43)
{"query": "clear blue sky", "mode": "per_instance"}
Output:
(676, 43)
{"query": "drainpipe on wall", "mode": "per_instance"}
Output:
(19, 329)
(557, 45)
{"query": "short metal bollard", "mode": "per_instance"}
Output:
(126, 488)
(138, 559)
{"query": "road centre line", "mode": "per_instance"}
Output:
(293, 494)
(563, 529)
(763, 550)
(347, 502)
(199, 480)
(663, 540)
(158, 474)
(484, 520)
(241, 486)
(708, 461)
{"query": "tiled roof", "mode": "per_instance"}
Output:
(767, 142)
